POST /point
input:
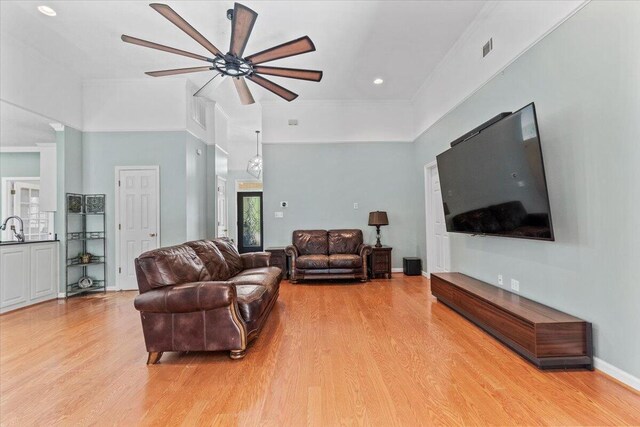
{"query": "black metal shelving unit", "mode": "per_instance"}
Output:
(85, 234)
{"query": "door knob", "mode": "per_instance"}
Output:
(152, 234)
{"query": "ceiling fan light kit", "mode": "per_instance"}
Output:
(233, 63)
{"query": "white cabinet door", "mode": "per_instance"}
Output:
(14, 276)
(44, 270)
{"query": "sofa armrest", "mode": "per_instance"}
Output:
(187, 298)
(255, 259)
(291, 251)
(364, 250)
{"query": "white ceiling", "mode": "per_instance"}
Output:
(21, 128)
(356, 41)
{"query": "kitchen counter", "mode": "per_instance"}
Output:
(28, 242)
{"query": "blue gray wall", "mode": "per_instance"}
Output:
(321, 182)
(196, 188)
(69, 153)
(585, 82)
(19, 165)
(103, 151)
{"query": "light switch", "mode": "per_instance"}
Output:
(355, 206)
(279, 214)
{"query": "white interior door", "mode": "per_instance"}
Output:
(221, 207)
(137, 222)
(438, 244)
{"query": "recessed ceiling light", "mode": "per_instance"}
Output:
(378, 81)
(47, 10)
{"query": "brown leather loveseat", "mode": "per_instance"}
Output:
(333, 254)
(204, 296)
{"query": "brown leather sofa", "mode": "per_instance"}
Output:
(204, 296)
(333, 254)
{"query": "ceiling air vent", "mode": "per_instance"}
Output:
(488, 47)
(293, 122)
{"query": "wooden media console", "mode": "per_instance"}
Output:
(548, 338)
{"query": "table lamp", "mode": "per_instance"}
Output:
(378, 218)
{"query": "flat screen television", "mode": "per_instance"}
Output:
(494, 182)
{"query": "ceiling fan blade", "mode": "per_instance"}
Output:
(179, 22)
(284, 50)
(243, 21)
(205, 85)
(273, 87)
(292, 73)
(152, 45)
(163, 73)
(243, 91)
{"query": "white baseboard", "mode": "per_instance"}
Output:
(397, 270)
(62, 295)
(617, 373)
(425, 274)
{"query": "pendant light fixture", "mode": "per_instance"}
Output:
(254, 168)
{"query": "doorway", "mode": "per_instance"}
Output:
(438, 243)
(250, 222)
(137, 219)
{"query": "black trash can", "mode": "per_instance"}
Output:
(412, 266)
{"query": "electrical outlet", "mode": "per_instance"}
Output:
(279, 214)
(500, 281)
(515, 285)
(355, 206)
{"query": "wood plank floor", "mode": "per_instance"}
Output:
(383, 353)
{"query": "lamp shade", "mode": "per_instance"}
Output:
(378, 218)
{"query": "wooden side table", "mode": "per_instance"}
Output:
(279, 259)
(380, 262)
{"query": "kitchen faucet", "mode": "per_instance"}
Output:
(19, 234)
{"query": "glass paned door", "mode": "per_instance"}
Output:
(250, 230)
(37, 224)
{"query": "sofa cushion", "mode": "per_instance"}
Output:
(311, 242)
(230, 254)
(344, 241)
(252, 300)
(212, 258)
(170, 266)
(312, 261)
(345, 261)
(265, 276)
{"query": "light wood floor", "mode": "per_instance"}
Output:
(384, 353)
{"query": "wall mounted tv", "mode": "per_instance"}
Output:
(493, 183)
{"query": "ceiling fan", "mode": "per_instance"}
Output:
(233, 64)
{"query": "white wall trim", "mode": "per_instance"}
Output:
(354, 102)
(116, 215)
(221, 149)
(222, 111)
(397, 270)
(156, 129)
(58, 127)
(486, 10)
(425, 274)
(617, 373)
(19, 149)
(319, 141)
(197, 137)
